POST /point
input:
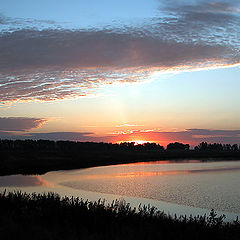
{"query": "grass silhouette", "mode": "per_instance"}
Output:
(48, 216)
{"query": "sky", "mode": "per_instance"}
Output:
(111, 71)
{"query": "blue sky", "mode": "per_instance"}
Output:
(81, 13)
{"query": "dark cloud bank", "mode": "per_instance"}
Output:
(20, 123)
(55, 63)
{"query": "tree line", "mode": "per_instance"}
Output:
(41, 156)
(101, 146)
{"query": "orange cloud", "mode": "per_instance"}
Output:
(190, 136)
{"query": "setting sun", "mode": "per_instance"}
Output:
(137, 142)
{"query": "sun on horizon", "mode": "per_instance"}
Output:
(136, 142)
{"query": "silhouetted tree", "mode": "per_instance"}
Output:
(235, 147)
(178, 146)
(204, 146)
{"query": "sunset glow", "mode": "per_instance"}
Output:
(132, 107)
(137, 142)
(120, 73)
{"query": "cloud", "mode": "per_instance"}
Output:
(19, 124)
(203, 6)
(51, 65)
(207, 21)
(72, 136)
(13, 24)
(29, 50)
(55, 63)
(208, 132)
(190, 136)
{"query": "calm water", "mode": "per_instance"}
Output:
(188, 187)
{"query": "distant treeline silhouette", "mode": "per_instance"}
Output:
(41, 156)
(72, 145)
(101, 146)
(204, 146)
(47, 216)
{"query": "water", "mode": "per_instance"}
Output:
(189, 187)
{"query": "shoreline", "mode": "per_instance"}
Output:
(39, 164)
(41, 156)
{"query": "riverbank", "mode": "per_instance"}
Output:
(38, 216)
(40, 161)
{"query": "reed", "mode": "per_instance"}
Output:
(48, 216)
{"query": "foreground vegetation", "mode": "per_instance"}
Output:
(47, 216)
(41, 156)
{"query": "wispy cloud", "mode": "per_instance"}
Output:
(20, 123)
(55, 63)
(14, 24)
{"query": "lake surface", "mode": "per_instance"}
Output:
(188, 187)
